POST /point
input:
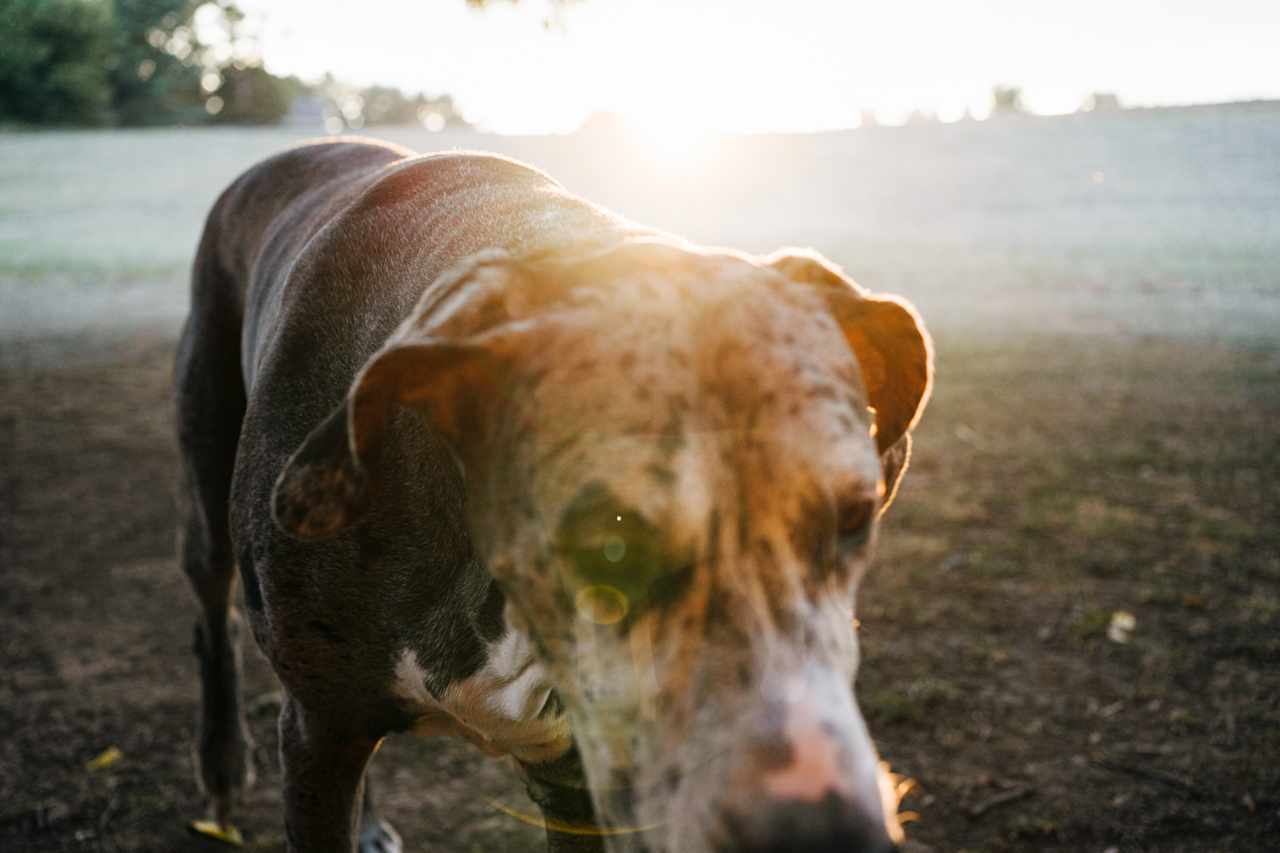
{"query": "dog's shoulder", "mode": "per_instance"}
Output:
(442, 175)
(309, 165)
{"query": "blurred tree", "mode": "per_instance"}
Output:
(252, 95)
(1007, 100)
(388, 105)
(53, 61)
(239, 90)
(436, 112)
(150, 62)
(385, 105)
(155, 77)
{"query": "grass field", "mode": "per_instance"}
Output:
(1105, 296)
(1163, 222)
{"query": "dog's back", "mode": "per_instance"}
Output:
(331, 221)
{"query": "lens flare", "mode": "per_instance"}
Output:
(601, 604)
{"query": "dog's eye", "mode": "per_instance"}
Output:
(855, 522)
(613, 559)
(613, 576)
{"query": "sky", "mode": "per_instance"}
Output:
(776, 65)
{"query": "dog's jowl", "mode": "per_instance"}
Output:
(496, 463)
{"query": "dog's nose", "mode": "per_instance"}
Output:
(830, 825)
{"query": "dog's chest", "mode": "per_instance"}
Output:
(500, 708)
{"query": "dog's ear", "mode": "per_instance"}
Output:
(893, 349)
(324, 487)
(446, 358)
(894, 462)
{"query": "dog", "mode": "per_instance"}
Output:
(496, 463)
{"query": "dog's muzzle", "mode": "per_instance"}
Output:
(811, 779)
(833, 824)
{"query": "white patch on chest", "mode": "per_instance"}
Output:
(496, 708)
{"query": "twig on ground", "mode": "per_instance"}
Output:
(1166, 778)
(1001, 799)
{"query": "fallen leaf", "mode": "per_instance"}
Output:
(104, 759)
(212, 829)
(1121, 626)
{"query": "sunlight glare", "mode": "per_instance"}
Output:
(683, 76)
(677, 70)
(677, 143)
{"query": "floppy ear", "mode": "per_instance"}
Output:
(445, 357)
(888, 337)
(325, 484)
(895, 462)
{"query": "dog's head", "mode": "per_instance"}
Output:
(675, 464)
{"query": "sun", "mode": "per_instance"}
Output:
(674, 138)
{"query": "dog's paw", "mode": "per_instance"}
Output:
(379, 837)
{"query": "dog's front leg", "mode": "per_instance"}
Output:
(324, 764)
(559, 788)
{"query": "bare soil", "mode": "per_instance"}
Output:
(1056, 482)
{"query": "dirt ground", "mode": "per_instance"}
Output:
(1056, 482)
